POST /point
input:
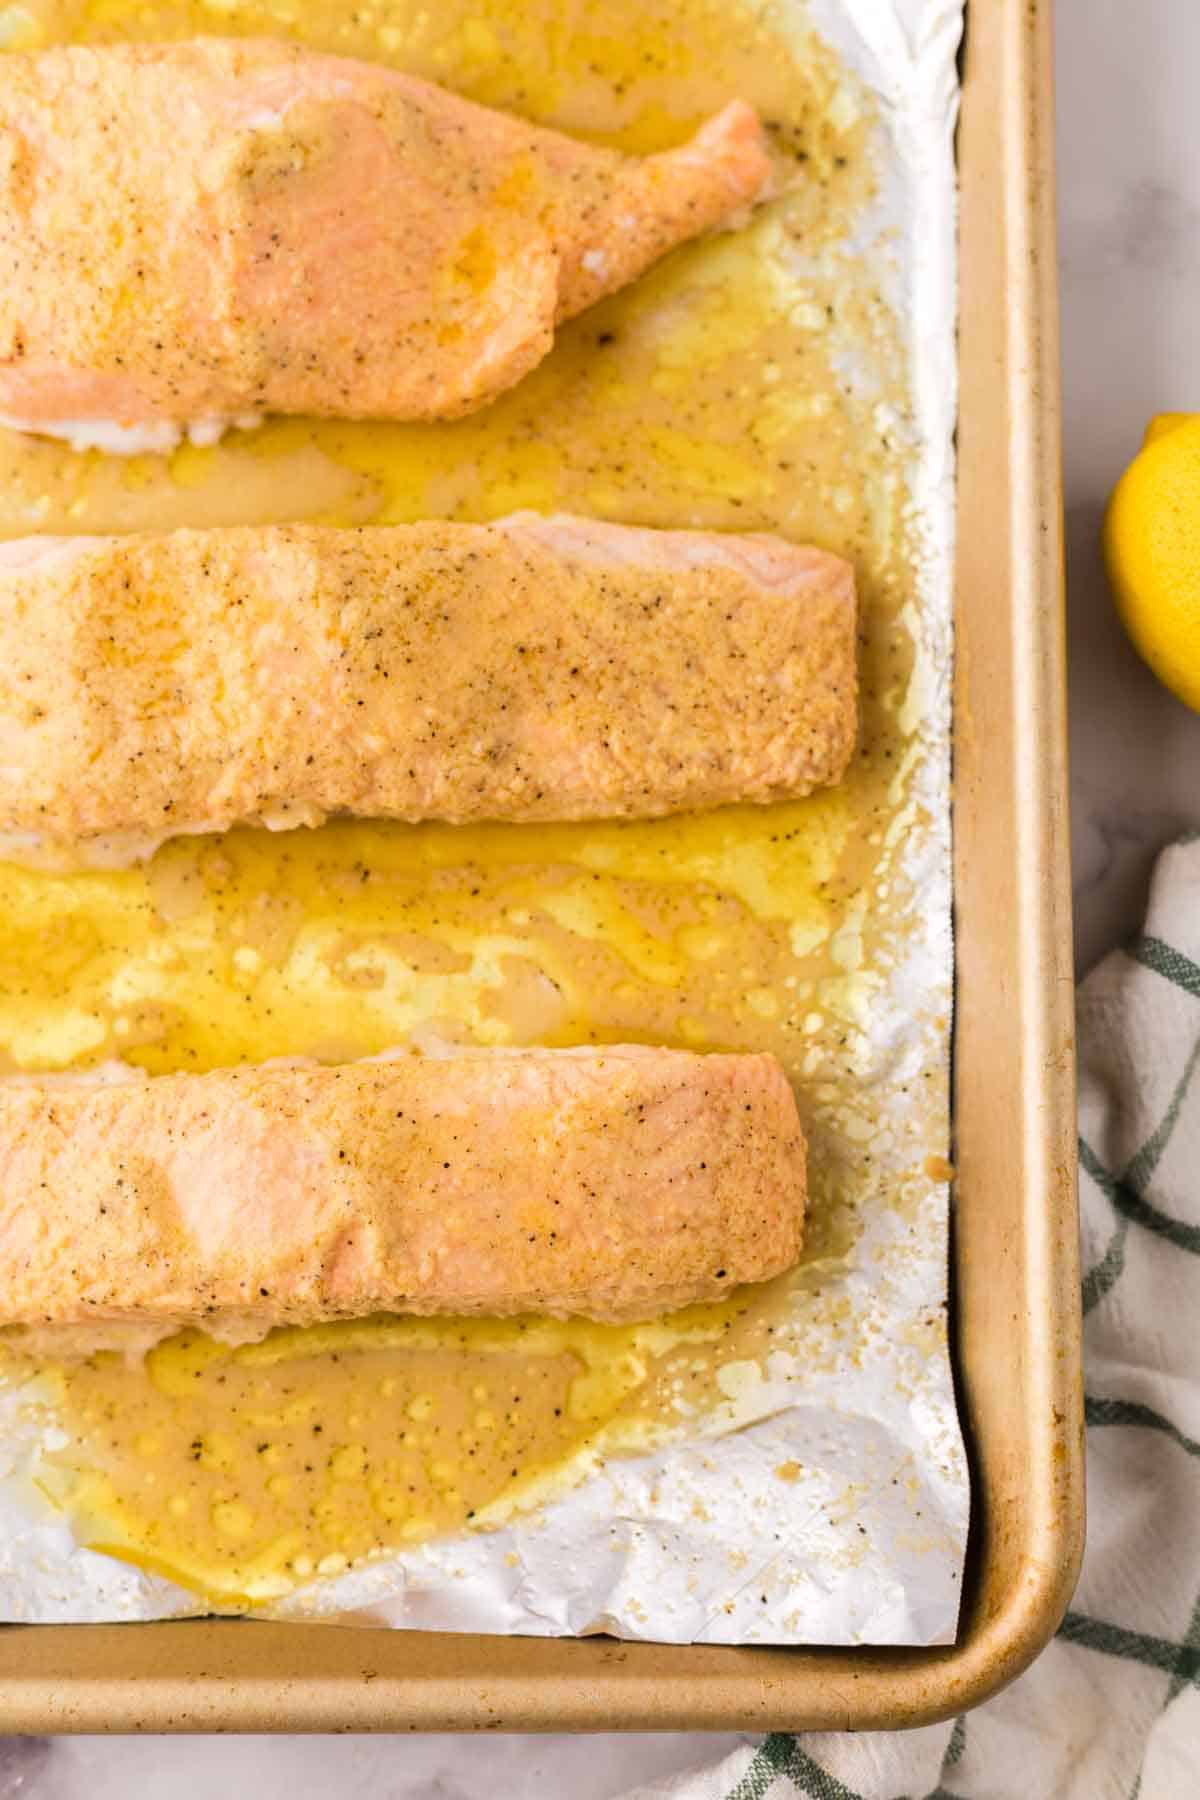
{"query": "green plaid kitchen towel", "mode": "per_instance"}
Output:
(1111, 1711)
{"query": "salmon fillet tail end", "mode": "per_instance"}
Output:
(659, 202)
(615, 1183)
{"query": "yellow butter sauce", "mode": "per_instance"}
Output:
(342, 942)
(752, 381)
(237, 1471)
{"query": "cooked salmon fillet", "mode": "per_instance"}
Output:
(534, 669)
(612, 1183)
(195, 232)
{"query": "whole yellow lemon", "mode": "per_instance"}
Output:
(1152, 546)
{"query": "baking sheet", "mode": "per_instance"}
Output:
(821, 1496)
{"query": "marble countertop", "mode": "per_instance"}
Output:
(1129, 210)
(1129, 185)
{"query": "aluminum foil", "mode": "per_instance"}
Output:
(702, 1540)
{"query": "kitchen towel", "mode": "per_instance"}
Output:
(1111, 1710)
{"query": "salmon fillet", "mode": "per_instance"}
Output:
(534, 669)
(195, 232)
(611, 1183)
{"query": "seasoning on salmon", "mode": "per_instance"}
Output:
(534, 669)
(194, 233)
(611, 1183)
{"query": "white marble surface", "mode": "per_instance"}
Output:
(1129, 205)
(1129, 138)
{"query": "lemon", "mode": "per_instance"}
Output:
(1152, 546)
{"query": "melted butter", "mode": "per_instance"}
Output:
(345, 941)
(714, 392)
(241, 1471)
